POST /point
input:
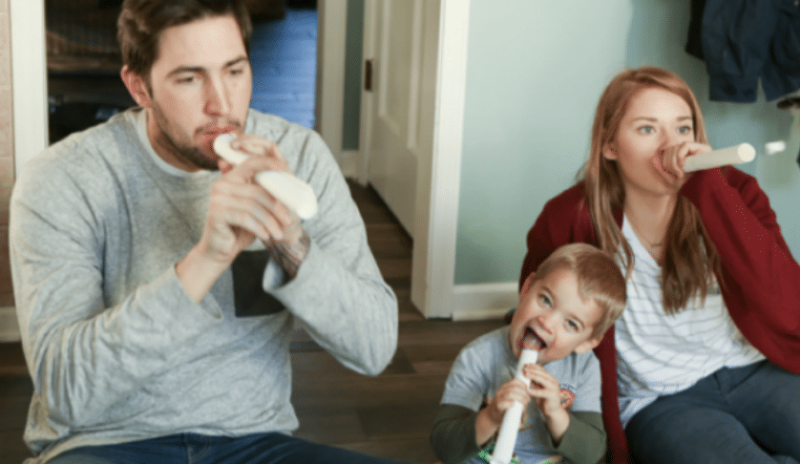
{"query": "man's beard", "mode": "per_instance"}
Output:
(192, 154)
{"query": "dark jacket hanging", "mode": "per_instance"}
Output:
(743, 41)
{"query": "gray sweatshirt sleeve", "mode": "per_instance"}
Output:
(86, 347)
(339, 293)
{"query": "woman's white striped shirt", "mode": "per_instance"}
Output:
(659, 354)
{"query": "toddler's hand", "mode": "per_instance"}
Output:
(513, 390)
(546, 391)
(545, 388)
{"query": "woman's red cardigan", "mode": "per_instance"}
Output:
(761, 278)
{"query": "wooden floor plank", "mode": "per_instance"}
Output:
(329, 425)
(12, 361)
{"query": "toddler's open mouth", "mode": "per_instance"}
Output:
(531, 341)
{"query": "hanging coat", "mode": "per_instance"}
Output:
(744, 41)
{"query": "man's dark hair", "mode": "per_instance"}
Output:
(141, 23)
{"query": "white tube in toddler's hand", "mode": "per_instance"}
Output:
(295, 194)
(507, 437)
(743, 153)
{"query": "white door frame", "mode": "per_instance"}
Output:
(331, 54)
(439, 172)
(29, 112)
(432, 288)
(29, 80)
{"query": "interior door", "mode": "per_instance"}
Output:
(393, 47)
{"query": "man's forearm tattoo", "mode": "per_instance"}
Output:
(290, 255)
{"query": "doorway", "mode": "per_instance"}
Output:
(83, 62)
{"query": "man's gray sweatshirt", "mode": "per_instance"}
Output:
(117, 350)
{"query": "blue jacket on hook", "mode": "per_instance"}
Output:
(743, 41)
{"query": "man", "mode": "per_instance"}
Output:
(135, 259)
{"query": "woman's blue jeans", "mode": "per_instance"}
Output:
(748, 415)
(269, 448)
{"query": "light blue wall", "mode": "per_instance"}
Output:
(535, 71)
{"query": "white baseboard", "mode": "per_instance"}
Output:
(484, 301)
(9, 329)
(349, 164)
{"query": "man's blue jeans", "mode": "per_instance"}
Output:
(749, 415)
(269, 448)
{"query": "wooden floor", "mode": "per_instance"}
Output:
(388, 415)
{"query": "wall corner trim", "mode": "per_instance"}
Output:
(29, 80)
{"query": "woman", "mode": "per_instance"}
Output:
(704, 361)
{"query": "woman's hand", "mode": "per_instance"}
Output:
(669, 164)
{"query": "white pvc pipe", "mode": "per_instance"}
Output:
(509, 428)
(743, 153)
(295, 194)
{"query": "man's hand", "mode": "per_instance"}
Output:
(241, 210)
(290, 247)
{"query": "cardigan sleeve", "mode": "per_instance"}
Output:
(759, 274)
